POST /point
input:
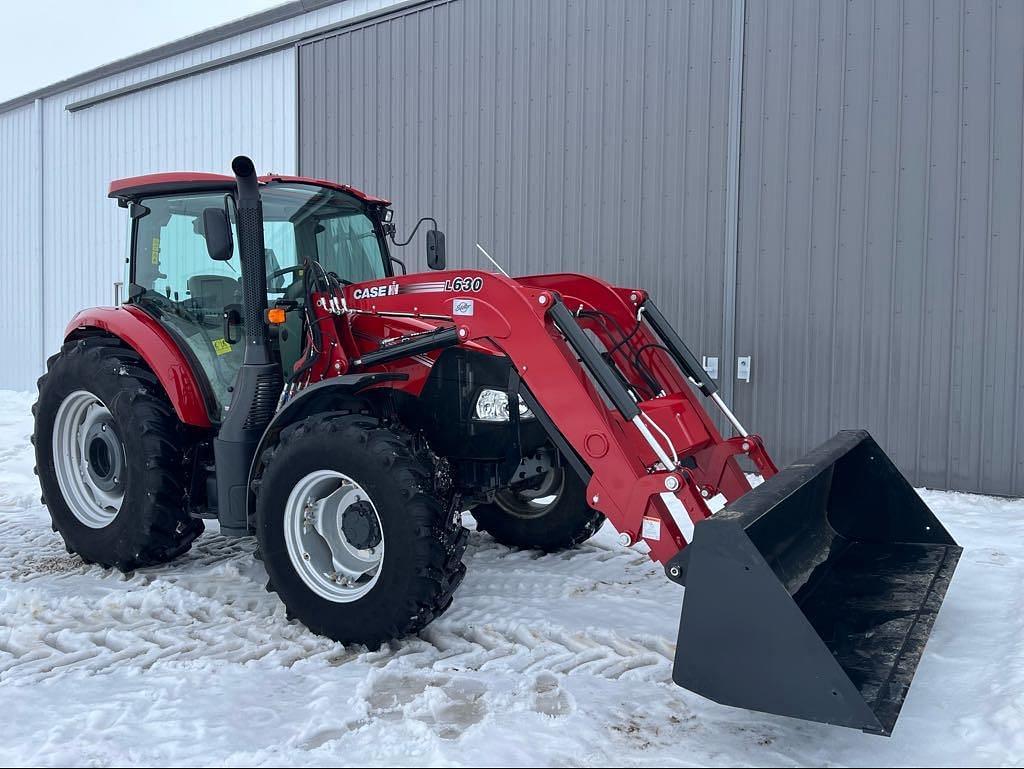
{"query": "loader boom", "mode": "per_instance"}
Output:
(651, 454)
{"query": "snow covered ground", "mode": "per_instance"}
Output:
(556, 660)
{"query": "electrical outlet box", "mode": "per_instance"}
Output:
(710, 364)
(743, 368)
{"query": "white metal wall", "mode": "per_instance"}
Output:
(198, 123)
(20, 341)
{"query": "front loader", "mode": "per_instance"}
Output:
(271, 370)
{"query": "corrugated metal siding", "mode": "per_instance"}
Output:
(881, 278)
(562, 136)
(20, 342)
(339, 12)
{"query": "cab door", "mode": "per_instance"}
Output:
(174, 280)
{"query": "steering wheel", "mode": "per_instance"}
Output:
(294, 289)
(295, 268)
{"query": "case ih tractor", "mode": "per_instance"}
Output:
(271, 370)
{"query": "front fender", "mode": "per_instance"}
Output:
(157, 348)
(330, 395)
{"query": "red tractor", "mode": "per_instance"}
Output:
(270, 369)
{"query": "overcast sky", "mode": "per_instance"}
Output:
(49, 40)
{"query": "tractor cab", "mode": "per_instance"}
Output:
(200, 301)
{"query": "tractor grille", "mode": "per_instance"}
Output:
(264, 402)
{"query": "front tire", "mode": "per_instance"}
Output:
(109, 457)
(353, 539)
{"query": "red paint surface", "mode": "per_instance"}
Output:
(174, 181)
(160, 351)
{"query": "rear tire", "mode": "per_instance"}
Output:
(366, 575)
(564, 522)
(109, 456)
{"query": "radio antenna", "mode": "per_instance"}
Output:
(492, 260)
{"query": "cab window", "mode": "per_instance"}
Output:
(347, 246)
(325, 225)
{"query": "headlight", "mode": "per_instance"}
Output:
(492, 406)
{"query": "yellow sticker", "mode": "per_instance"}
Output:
(221, 346)
(154, 251)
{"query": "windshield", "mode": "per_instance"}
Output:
(327, 225)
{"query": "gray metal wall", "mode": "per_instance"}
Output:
(881, 276)
(560, 135)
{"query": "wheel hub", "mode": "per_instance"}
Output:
(89, 459)
(535, 476)
(333, 535)
(104, 455)
(360, 527)
(535, 502)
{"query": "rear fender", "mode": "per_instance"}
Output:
(157, 348)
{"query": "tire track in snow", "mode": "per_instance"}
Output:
(210, 606)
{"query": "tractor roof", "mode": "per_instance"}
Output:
(189, 181)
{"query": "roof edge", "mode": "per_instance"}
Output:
(181, 45)
(196, 181)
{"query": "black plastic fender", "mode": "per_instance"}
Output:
(333, 394)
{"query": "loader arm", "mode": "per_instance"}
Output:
(621, 427)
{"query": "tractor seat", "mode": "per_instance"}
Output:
(212, 293)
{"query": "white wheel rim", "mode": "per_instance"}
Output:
(89, 459)
(321, 552)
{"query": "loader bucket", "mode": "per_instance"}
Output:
(814, 594)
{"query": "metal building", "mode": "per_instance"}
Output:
(830, 191)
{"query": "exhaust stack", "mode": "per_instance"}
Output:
(259, 381)
(251, 248)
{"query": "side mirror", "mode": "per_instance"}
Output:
(436, 258)
(217, 230)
